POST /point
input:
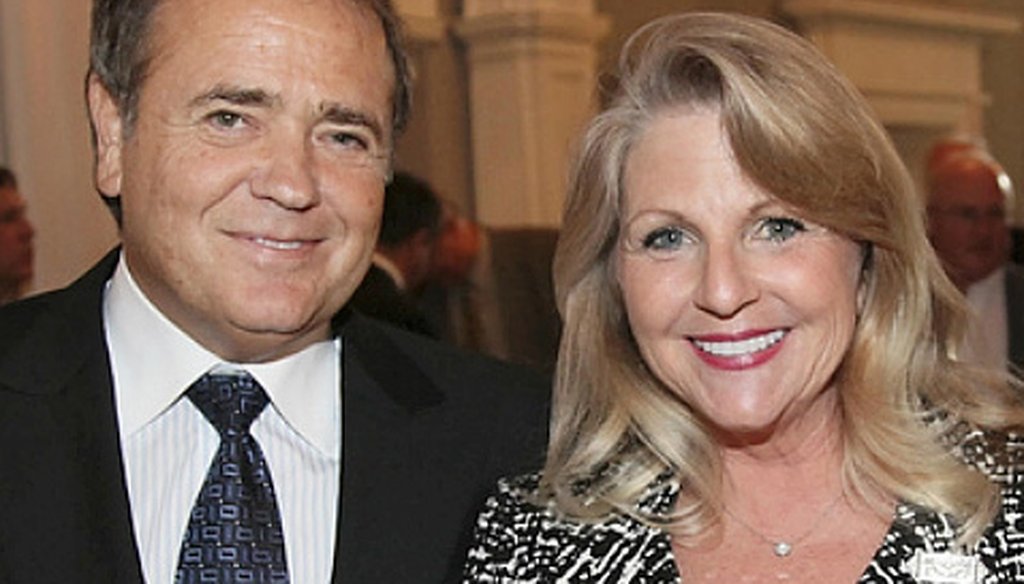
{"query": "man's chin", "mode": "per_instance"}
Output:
(286, 334)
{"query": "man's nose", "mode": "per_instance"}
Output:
(288, 174)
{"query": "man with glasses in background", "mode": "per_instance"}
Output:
(969, 200)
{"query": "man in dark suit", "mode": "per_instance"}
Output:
(403, 260)
(969, 196)
(243, 146)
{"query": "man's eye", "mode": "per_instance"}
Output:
(225, 119)
(664, 238)
(779, 229)
(351, 140)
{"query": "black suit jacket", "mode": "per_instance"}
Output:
(426, 431)
(379, 296)
(1015, 314)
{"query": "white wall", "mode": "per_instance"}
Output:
(43, 58)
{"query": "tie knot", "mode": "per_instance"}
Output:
(229, 402)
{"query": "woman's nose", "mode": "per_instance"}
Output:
(726, 284)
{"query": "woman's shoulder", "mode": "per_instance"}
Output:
(520, 536)
(519, 501)
(1002, 545)
(517, 504)
(999, 454)
(513, 504)
(922, 540)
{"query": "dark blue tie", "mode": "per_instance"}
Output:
(234, 533)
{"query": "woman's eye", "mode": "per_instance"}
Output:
(664, 238)
(779, 228)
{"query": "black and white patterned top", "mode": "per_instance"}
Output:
(519, 542)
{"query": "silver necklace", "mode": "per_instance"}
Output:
(784, 547)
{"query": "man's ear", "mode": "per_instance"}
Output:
(107, 123)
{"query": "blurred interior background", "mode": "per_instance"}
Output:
(502, 88)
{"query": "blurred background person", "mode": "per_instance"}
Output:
(458, 247)
(755, 380)
(452, 299)
(491, 289)
(970, 198)
(16, 235)
(404, 257)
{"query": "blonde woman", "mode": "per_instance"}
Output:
(757, 379)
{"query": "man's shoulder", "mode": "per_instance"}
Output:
(53, 321)
(490, 411)
(476, 418)
(454, 369)
(18, 316)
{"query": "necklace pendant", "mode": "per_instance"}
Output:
(782, 549)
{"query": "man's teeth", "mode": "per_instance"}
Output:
(746, 346)
(277, 244)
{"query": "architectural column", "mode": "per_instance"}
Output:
(918, 63)
(435, 146)
(422, 19)
(46, 134)
(531, 88)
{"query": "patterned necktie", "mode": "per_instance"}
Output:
(234, 533)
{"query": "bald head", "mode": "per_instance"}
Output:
(968, 196)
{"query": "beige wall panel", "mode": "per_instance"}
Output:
(47, 137)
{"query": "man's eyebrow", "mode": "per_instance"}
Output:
(340, 114)
(236, 96)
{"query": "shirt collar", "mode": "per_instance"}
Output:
(154, 362)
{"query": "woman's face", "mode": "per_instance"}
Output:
(738, 304)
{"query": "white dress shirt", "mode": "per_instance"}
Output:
(986, 340)
(168, 445)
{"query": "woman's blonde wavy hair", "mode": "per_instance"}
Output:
(802, 132)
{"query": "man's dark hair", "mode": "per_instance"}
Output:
(410, 205)
(119, 53)
(119, 56)
(7, 178)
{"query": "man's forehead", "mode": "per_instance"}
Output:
(235, 61)
(967, 180)
(179, 18)
(978, 191)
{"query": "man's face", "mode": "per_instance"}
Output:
(967, 223)
(252, 180)
(16, 233)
